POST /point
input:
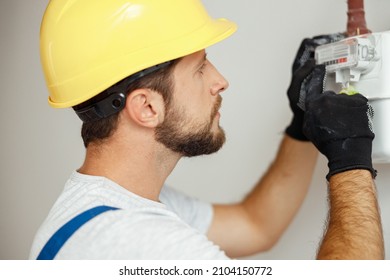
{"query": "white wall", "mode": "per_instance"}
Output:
(40, 146)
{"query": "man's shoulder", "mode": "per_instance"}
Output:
(138, 234)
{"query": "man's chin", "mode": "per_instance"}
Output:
(212, 147)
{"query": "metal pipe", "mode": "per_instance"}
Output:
(356, 18)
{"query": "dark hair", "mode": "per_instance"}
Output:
(160, 81)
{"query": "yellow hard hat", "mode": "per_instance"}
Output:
(87, 45)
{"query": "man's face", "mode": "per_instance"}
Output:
(191, 123)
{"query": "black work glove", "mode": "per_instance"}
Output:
(339, 125)
(302, 67)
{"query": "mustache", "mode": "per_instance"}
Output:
(216, 107)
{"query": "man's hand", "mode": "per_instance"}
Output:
(302, 67)
(339, 125)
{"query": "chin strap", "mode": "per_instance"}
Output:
(113, 99)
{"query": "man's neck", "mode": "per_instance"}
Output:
(141, 169)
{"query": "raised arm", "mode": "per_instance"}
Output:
(340, 126)
(255, 224)
(354, 227)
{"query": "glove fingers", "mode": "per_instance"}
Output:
(306, 69)
(308, 46)
(305, 52)
(297, 91)
(329, 38)
(314, 83)
(355, 100)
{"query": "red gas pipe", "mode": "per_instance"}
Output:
(356, 18)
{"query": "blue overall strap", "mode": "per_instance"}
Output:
(59, 238)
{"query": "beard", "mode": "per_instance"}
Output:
(198, 139)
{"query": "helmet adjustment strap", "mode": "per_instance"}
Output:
(113, 99)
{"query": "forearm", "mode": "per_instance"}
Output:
(278, 196)
(354, 225)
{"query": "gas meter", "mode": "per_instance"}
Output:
(362, 64)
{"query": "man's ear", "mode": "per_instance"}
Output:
(145, 107)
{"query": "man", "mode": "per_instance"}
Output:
(137, 74)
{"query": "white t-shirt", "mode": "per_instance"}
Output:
(142, 229)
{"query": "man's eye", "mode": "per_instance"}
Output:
(201, 68)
